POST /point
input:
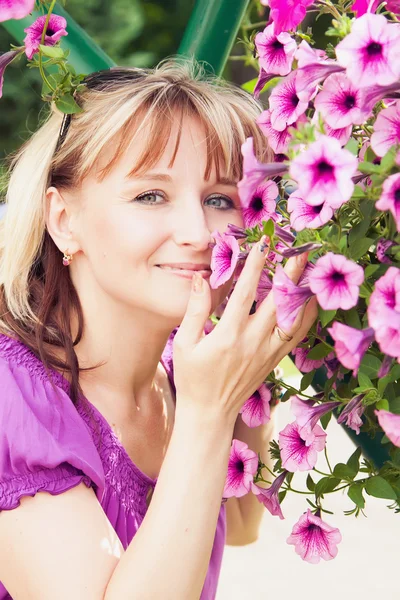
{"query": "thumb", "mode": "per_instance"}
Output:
(197, 312)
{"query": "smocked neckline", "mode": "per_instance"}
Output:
(65, 385)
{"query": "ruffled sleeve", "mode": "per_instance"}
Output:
(44, 444)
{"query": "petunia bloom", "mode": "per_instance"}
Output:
(288, 297)
(264, 286)
(269, 497)
(360, 7)
(386, 130)
(224, 259)
(254, 172)
(296, 455)
(336, 281)
(263, 78)
(314, 539)
(278, 140)
(305, 216)
(371, 52)
(390, 424)
(242, 466)
(351, 344)
(275, 52)
(256, 410)
(5, 60)
(324, 172)
(262, 205)
(382, 247)
(313, 67)
(307, 415)
(340, 102)
(390, 197)
(384, 312)
(287, 14)
(352, 412)
(16, 9)
(304, 364)
(55, 30)
(284, 103)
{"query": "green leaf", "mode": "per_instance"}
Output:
(355, 494)
(320, 350)
(281, 496)
(364, 381)
(326, 316)
(379, 488)
(249, 85)
(358, 192)
(352, 146)
(368, 167)
(382, 383)
(324, 420)
(343, 471)
(359, 247)
(310, 483)
(306, 380)
(68, 105)
(326, 485)
(52, 51)
(354, 461)
(382, 404)
(370, 366)
(269, 228)
(370, 270)
(352, 318)
(389, 160)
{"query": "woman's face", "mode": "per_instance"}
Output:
(131, 229)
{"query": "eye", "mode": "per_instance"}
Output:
(149, 197)
(218, 202)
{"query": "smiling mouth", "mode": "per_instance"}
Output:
(187, 273)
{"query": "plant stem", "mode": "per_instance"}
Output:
(327, 460)
(42, 73)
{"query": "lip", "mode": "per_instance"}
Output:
(186, 270)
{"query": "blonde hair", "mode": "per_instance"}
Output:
(36, 293)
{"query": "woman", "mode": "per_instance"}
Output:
(105, 252)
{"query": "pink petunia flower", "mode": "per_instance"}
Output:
(307, 415)
(385, 367)
(15, 9)
(386, 130)
(278, 140)
(384, 312)
(305, 216)
(351, 344)
(360, 7)
(304, 364)
(224, 258)
(261, 205)
(296, 455)
(313, 67)
(242, 466)
(254, 172)
(371, 52)
(55, 30)
(5, 59)
(352, 412)
(390, 197)
(284, 103)
(314, 539)
(256, 410)
(269, 497)
(264, 286)
(340, 102)
(288, 297)
(342, 135)
(287, 14)
(275, 52)
(332, 365)
(390, 424)
(263, 78)
(324, 173)
(336, 281)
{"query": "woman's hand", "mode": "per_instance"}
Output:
(220, 371)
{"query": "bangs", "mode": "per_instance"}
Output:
(157, 118)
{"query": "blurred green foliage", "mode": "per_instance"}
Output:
(133, 32)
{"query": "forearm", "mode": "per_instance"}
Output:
(169, 556)
(244, 515)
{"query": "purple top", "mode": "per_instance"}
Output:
(49, 444)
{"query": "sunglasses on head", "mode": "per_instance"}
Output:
(101, 80)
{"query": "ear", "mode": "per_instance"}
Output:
(60, 217)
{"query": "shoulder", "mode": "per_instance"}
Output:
(44, 440)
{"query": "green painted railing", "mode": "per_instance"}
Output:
(209, 37)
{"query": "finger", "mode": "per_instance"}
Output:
(197, 312)
(236, 313)
(302, 325)
(265, 316)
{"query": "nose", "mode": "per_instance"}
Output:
(190, 227)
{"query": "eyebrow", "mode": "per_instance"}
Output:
(168, 178)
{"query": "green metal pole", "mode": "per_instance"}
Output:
(212, 30)
(86, 56)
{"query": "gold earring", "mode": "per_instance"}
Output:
(67, 258)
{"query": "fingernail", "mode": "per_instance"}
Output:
(197, 283)
(263, 244)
